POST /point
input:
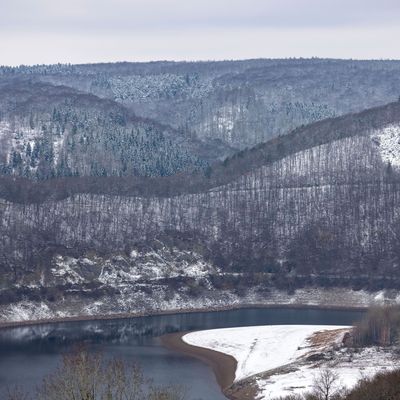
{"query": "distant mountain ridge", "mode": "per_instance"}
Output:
(240, 103)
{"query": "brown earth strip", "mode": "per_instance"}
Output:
(223, 365)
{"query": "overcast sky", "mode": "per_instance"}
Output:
(80, 31)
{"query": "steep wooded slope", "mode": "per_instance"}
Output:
(323, 212)
(48, 131)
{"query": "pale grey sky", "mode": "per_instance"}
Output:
(80, 31)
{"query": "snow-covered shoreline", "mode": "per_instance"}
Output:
(260, 348)
(216, 309)
(134, 301)
(283, 360)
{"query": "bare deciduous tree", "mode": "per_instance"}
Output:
(326, 384)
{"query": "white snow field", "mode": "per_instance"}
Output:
(264, 348)
(258, 348)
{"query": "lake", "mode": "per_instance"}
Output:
(27, 354)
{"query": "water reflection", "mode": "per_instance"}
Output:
(29, 353)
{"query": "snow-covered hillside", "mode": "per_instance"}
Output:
(317, 208)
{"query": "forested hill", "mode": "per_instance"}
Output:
(49, 131)
(362, 124)
(238, 103)
(104, 210)
(322, 202)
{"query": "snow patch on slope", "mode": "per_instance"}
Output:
(142, 265)
(28, 311)
(64, 269)
(388, 141)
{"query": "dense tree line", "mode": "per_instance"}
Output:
(381, 326)
(72, 134)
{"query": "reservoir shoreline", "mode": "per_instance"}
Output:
(122, 316)
(211, 376)
(223, 365)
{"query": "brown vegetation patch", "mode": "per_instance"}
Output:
(244, 390)
(326, 338)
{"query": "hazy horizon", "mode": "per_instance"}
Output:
(202, 61)
(94, 31)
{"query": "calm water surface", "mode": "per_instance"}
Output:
(29, 353)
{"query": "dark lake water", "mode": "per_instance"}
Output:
(29, 353)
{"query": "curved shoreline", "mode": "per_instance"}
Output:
(223, 365)
(105, 317)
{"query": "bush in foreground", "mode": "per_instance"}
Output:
(88, 376)
(382, 387)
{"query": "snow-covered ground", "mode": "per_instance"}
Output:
(349, 366)
(275, 358)
(258, 348)
(388, 141)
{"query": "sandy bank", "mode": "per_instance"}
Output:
(223, 365)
